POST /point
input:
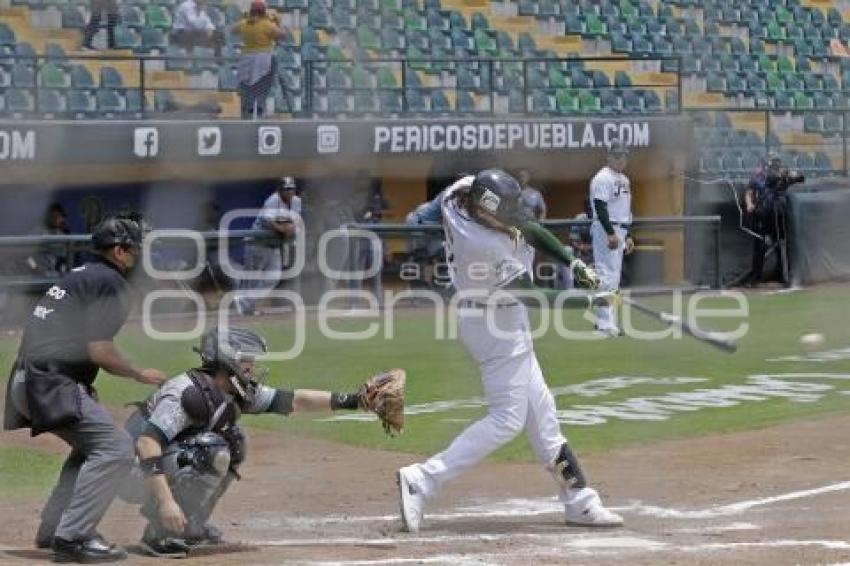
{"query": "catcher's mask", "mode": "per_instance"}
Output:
(496, 193)
(234, 350)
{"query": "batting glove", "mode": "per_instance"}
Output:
(583, 275)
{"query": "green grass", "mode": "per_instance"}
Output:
(440, 370)
(27, 473)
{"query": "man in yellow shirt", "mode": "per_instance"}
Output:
(257, 69)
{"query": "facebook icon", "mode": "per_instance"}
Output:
(145, 142)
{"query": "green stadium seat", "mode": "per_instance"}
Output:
(157, 16)
(53, 76)
(802, 100)
(785, 65)
(774, 81)
(593, 26)
(415, 20)
(484, 43)
(367, 38)
(588, 102)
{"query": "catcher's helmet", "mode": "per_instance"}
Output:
(496, 192)
(226, 349)
(123, 231)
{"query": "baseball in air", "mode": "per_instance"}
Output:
(811, 342)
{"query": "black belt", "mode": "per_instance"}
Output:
(470, 304)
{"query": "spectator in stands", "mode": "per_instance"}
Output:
(531, 199)
(193, 27)
(53, 260)
(98, 8)
(259, 29)
(278, 218)
(365, 250)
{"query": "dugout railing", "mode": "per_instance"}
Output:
(701, 245)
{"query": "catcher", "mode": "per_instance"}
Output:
(189, 445)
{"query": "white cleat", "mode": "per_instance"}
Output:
(608, 331)
(411, 502)
(595, 516)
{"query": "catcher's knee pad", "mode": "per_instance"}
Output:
(567, 470)
(206, 453)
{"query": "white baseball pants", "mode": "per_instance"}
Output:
(609, 266)
(516, 394)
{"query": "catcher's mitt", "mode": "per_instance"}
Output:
(383, 394)
(585, 276)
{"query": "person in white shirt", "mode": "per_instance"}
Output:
(611, 203)
(279, 218)
(193, 27)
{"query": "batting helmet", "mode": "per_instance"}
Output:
(118, 231)
(496, 192)
(226, 349)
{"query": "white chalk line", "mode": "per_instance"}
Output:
(733, 508)
(537, 507)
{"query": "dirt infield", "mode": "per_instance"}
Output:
(774, 496)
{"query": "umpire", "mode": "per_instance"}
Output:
(66, 341)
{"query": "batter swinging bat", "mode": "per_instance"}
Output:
(710, 338)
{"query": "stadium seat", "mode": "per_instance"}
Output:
(19, 101)
(227, 79)
(542, 102)
(465, 102)
(157, 16)
(7, 35)
(72, 17)
(364, 102)
(132, 16)
(110, 78)
(153, 39)
(439, 102)
(415, 100)
(126, 38)
(390, 102)
(50, 102)
(53, 76)
(108, 101)
(23, 76)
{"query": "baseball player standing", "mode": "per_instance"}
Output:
(277, 217)
(611, 203)
(67, 340)
(490, 250)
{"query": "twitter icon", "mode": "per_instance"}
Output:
(209, 140)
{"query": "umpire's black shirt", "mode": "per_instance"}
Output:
(89, 304)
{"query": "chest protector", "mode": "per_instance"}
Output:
(207, 405)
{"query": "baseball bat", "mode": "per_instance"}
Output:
(728, 346)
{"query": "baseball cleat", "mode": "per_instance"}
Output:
(167, 547)
(594, 516)
(612, 331)
(411, 501)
